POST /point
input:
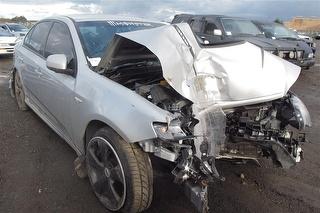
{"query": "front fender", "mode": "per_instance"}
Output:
(126, 112)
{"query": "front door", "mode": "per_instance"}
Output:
(58, 89)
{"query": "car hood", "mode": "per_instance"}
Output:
(273, 44)
(8, 39)
(228, 75)
(299, 44)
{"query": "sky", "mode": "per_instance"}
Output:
(163, 10)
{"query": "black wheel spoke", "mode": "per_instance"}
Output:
(100, 184)
(114, 192)
(94, 161)
(105, 153)
(115, 174)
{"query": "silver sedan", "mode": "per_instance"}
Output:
(116, 89)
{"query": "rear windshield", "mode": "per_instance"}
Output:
(17, 28)
(4, 33)
(96, 35)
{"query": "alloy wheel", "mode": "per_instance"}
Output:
(106, 173)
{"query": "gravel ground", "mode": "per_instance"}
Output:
(36, 168)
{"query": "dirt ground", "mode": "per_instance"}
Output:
(36, 168)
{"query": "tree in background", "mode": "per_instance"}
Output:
(279, 21)
(19, 19)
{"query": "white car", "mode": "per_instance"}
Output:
(18, 30)
(7, 42)
(305, 37)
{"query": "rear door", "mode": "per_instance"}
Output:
(31, 58)
(57, 89)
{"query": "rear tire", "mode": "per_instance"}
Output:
(132, 183)
(19, 93)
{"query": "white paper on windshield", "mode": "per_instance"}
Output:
(94, 61)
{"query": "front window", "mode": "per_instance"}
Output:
(96, 35)
(239, 27)
(17, 28)
(278, 31)
(59, 41)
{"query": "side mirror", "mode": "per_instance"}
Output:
(58, 63)
(217, 32)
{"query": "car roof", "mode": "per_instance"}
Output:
(207, 16)
(101, 17)
(200, 15)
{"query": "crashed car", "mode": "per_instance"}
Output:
(118, 90)
(214, 28)
(279, 32)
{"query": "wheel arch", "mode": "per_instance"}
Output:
(92, 127)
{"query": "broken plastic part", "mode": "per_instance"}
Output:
(301, 112)
(282, 155)
(210, 131)
(198, 195)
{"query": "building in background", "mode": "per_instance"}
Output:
(308, 25)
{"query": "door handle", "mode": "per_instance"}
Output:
(77, 99)
(38, 71)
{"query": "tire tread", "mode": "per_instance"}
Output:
(140, 172)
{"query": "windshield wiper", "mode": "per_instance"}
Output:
(287, 37)
(244, 34)
(127, 65)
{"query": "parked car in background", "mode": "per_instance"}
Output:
(280, 32)
(119, 89)
(7, 42)
(303, 36)
(18, 30)
(210, 28)
(317, 36)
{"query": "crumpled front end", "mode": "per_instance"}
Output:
(218, 78)
(228, 101)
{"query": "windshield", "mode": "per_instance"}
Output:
(17, 28)
(4, 33)
(96, 35)
(239, 27)
(278, 31)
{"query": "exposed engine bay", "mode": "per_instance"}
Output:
(197, 135)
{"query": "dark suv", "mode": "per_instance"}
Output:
(212, 28)
(279, 32)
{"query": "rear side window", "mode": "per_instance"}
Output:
(60, 42)
(37, 39)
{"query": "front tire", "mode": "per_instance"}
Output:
(19, 92)
(120, 173)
